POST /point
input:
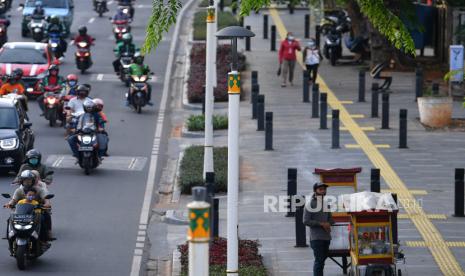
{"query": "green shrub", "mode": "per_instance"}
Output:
(206, 3)
(225, 19)
(191, 169)
(197, 122)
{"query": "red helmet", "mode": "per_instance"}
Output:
(98, 103)
(72, 80)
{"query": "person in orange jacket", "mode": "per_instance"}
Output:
(13, 84)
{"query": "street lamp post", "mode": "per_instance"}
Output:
(234, 92)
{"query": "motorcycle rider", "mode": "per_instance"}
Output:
(89, 109)
(13, 84)
(75, 106)
(83, 36)
(125, 46)
(138, 68)
(33, 161)
(103, 118)
(104, 5)
(127, 3)
(38, 13)
(120, 15)
(52, 79)
(56, 26)
(71, 85)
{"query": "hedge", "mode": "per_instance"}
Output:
(225, 19)
(197, 122)
(191, 169)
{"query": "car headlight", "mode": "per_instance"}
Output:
(8, 144)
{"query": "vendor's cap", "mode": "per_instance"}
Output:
(319, 185)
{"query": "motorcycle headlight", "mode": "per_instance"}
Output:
(82, 44)
(54, 45)
(117, 30)
(8, 144)
(22, 227)
(86, 139)
(36, 30)
(124, 30)
(143, 78)
(27, 227)
(51, 100)
(86, 54)
(126, 10)
(135, 78)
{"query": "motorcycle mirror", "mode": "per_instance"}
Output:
(6, 195)
(152, 73)
(49, 196)
(109, 18)
(21, 5)
(27, 125)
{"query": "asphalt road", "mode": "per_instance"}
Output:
(95, 218)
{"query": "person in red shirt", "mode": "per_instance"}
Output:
(287, 58)
(83, 36)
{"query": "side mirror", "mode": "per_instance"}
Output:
(152, 73)
(6, 195)
(49, 196)
(27, 124)
(109, 18)
(50, 173)
(21, 5)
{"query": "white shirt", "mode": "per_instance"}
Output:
(77, 106)
(313, 57)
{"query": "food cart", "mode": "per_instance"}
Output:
(370, 233)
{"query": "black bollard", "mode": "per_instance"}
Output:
(210, 185)
(256, 90)
(291, 7)
(273, 38)
(315, 99)
(269, 131)
(374, 100)
(203, 99)
(307, 26)
(234, 6)
(291, 189)
(385, 111)
(375, 183)
(418, 82)
(261, 113)
(435, 89)
(403, 129)
(247, 40)
(395, 236)
(300, 229)
(335, 129)
(216, 217)
(306, 88)
(255, 93)
(221, 5)
(317, 35)
(265, 26)
(254, 77)
(323, 111)
(361, 85)
(459, 193)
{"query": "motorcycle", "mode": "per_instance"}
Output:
(37, 28)
(125, 61)
(5, 5)
(127, 8)
(53, 105)
(88, 145)
(3, 33)
(55, 44)
(333, 47)
(83, 56)
(100, 7)
(120, 27)
(24, 232)
(139, 92)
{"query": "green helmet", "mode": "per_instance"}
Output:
(138, 58)
(127, 38)
(54, 19)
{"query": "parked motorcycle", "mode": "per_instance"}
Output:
(88, 145)
(125, 61)
(53, 105)
(332, 48)
(37, 28)
(55, 44)
(120, 27)
(83, 56)
(139, 92)
(101, 7)
(335, 18)
(24, 232)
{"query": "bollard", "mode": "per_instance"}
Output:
(261, 113)
(418, 82)
(265, 26)
(300, 229)
(459, 193)
(255, 93)
(315, 99)
(323, 111)
(273, 38)
(269, 131)
(291, 189)
(395, 236)
(385, 111)
(256, 90)
(307, 26)
(317, 35)
(435, 89)
(198, 233)
(210, 185)
(403, 129)
(291, 7)
(221, 5)
(247, 39)
(216, 217)
(254, 77)
(361, 85)
(374, 100)
(234, 6)
(203, 100)
(335, 129)
(305, 85)
(375, 183)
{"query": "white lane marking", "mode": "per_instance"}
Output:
(100, 77)
(71, 42)
(146, 205)
(91, 20)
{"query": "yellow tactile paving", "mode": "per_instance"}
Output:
(355, 146)
(362, 128)
(413, 192)
(424, 244)
(354, 116)
(437, 245)
(430, 216)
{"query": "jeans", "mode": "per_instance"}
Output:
(312, 71)
(288, 66)
(149, 94)
(102, 139)
(320, 251)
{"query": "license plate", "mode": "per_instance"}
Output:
(86, 148)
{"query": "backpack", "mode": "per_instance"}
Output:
(313, 57)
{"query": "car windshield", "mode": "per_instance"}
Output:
(23, 56)
(56, 4)
(24, 209)
(8, 118)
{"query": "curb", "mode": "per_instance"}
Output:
(176, 195)
(201, 134)
(171, 218)
(176, 263)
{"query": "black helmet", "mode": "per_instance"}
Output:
(18, 72)
(138, 58)
(318, 185)
(54, 67)
(54, 19)
(33, 153)
(82, 30)
(83, 87)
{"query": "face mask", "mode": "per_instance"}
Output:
(290, 38)
(30, 198)
(72, 83)
(33, 161)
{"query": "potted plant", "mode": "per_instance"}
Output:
(435, 107)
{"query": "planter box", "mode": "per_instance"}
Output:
(435, 111)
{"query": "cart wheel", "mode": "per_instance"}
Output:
(399, 272)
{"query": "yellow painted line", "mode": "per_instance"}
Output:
(430, 216)
(362, 128)
(425, 244)
(355, 116)
(355, 146)
(346, 102)
(456, 244)
(437, 245)
(413, 192)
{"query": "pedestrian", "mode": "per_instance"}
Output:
(287, 58)
(312, 57)
(319, 219)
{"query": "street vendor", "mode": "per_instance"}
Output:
(319, 220)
